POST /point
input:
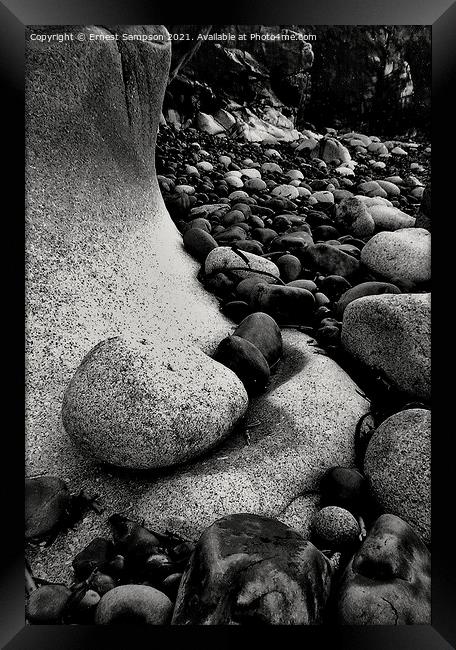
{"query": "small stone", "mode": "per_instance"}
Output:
(372, 188)
(256, 184)
(334, 527)
(223, 258)
(323, 197)
(134, 604)
(285, 191)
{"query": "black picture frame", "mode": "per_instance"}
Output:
(14, 16)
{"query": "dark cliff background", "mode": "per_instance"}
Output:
(376, 78)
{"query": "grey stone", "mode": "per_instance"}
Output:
(400, 256)
(332, 261)
(144, 405)
(140, 603)
(387, 217)
(390, 188)
(353, 216)
(224, 257)
(372, 188)
(391, 335)
(334, 527)
(398, 468)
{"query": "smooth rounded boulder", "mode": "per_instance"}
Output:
(143, 405)
(397, 465)
(391, 335)
(400, 256)
(253, 570)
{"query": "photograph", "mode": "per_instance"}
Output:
(226, 288)
(228, 276)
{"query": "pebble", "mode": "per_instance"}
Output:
(285, 191)
(334, 528)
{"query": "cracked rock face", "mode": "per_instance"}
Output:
(388, 581)
(251, 569)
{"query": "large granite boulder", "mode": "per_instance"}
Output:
(402, 256)
(391, 335)
(145, 404)
(388, 581)
(253, 570)
(398, 468)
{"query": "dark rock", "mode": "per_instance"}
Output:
(323, 233)
(289, 267)
(248, 569)
(264, 235)
(199, 243)
(332, 261)
(334, 286)
(251, 246)
(47, 500)
(95, 555)
(361, 290)
(344, 487)
(423, 219)
(388, 582)
(288, 305)
(46, 604)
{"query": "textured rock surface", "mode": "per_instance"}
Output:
(398, 468)
(145, 404)
(138, 603)
(391, 335)
(404, 255)
(250, 569)
(294, 439)
(334, 527)
(388, 582)
(103, 256)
